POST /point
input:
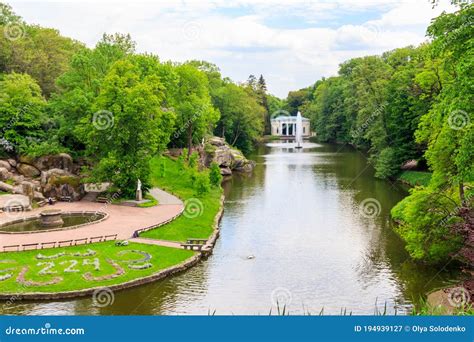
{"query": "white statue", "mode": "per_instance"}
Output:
(139, 185)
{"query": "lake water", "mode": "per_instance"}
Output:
(315, 224)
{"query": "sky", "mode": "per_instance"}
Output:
(292, 43)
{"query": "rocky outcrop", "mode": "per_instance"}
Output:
(28, 170)
(229, 159)
(39, 177)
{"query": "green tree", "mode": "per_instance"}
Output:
(129, 125)
(196, 115)
(22, 114)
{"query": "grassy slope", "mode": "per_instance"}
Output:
(179, 183)
(162, 257)
(415, 178)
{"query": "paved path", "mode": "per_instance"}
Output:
(122, 220)
(157, 242)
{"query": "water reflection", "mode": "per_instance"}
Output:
(299, 215)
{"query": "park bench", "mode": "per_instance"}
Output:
(65, 199)
(80, 241)
(110, 237)
(12, 248)
(102, 199)
(48, 244)
(96, 239)
(64, 243)
(196, 241)
(191, 246)
(29, 246)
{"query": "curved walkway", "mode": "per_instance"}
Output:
(123, 220)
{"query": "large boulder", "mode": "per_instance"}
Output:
(64, 185)
(5, 164)
(28, 170)
(61, 161)
(5, 173)
(229, 159)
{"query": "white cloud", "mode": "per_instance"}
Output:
(237, 35)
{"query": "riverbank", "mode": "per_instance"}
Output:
(200, 210)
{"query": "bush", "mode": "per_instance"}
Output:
(202, 184)
(426, 219)
(387, 164)
(193, 160)
(215, 176)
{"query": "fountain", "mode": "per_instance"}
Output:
(51, 218)
(299, 131)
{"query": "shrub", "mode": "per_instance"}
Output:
(426, 220)
(193, 160)
(215, 176)
(202, 184)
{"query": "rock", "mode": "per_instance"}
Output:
(61, 161)
(222, 157)
(229, 159)
(28, 170)
(28, 189)
(409, 165)
(12, 162)
(45, 175)
(38, 196)
(58, 185)
(5, 164)
(6, 187)
(216, 141)
(225, 171)
(5, 173)
(18, 178)
(246, 167)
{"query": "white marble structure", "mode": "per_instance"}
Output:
(285, 126)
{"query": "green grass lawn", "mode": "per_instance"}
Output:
(415, 178)
(128, 258)
(179, 183)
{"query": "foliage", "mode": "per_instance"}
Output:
(215, 176)
(130, 95)
(425, 220)
(202, 184)
(23, 121)
(200, 224)
(415, 178)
